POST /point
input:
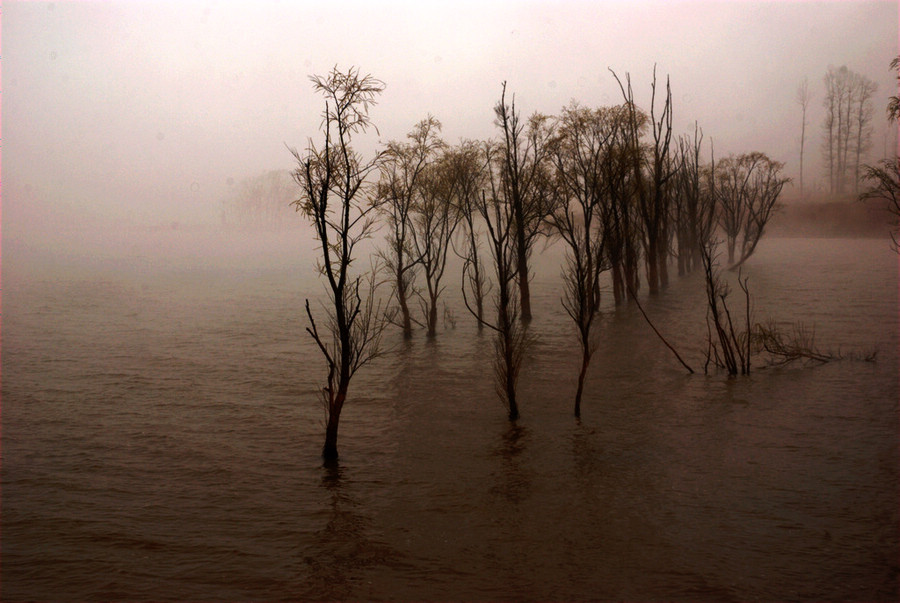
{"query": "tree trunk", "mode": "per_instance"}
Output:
(329, 450)
(524, 289)
(663, 265)
(432, 318)
(652, 272)
(479, 294)
(618, 286)
(632, 278)
(585, 360)
(404, 312)
(511, 396)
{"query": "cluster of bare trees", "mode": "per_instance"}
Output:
(613, 184)
(847, 126)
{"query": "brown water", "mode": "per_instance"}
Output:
(161, 439)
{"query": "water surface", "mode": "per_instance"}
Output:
(162, 430)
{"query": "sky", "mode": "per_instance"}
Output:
(137, 111)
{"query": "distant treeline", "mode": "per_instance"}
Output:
(262, 201)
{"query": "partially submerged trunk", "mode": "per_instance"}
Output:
(329, 450)
(404, 311)
(585, 361)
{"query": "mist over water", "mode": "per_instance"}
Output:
(162, 431)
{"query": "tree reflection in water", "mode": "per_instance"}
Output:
(338, 556)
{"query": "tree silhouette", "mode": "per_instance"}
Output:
(401, 181)
(334, 196)
(523, 178)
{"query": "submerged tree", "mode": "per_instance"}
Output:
(747, 191)
(468, 165)
(435, 218)
(621, 225)
(651, 186)
(580, 151)
(523, 177)
(401, 182)
(693, 202)
(332, 178)
(510, 339)
(727, 346)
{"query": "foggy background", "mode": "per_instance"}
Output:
(131, 115)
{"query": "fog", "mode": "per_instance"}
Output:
(131, 115)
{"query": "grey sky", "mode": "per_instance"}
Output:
(149, 110)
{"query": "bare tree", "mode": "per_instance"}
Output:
(803, 97)
(434, 219)
(581, 148)
(747, 191)
(727, 346)
(523, 179)
(621, 224)
(332, 179)
(846, 126)
(651, 188)
(497, 213)
(401, 181)
(693, 202)
(468, 166)
(865, 89)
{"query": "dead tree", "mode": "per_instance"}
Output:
(693, 203)
(467, 164)
(847, 125)
(580, 150)
(510, 337)
(727, 346)
(651, 188)
(747, 190)
(401, 180)
(524, 174)
(435, 217)
(332, 178)
(803, 97)
(621, 228)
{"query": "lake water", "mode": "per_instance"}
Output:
(161, 434)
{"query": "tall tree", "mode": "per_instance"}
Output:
(401, 178)
(847, 125)
(651, 188)
(435, 218)
(579, 152)
(803, 97)
(468, 165)
(334, 196)
(865, 89)
(747, 190)
(693, 202)
(523, 179)
(510, 338)
(621, 224)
